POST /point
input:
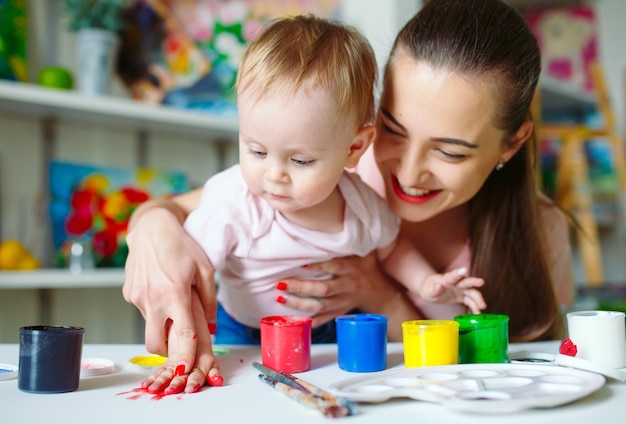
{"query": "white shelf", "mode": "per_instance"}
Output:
(61, 279)
(38, 102)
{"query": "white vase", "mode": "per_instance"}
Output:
(96, 50)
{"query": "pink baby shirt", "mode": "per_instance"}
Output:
(253, 247)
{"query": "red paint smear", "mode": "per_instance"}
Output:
(241, 361)
(140, 392)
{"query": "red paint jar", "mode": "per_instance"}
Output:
(286, 343)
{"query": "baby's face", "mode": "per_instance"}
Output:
(293, 148)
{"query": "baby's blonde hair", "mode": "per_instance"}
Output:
(305, 52)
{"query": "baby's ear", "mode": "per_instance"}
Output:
(361, 141)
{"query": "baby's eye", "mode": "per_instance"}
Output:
(257, 153)
(302, 162)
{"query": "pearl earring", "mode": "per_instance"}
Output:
(500, 165)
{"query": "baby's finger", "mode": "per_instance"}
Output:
(195, 380)
(214, 378)
(454, 276)
(161, 379)
(470, 283)
(475, 301)
(177, 385)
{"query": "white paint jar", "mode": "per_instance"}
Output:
(599, 336)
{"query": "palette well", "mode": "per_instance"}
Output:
(480, 388)
(96, 366)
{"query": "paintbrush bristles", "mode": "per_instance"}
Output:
(328, 408)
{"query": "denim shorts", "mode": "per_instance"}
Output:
(229, 331)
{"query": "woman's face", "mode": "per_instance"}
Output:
(436, 144)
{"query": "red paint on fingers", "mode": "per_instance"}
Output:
(172, 390)
(215, 380)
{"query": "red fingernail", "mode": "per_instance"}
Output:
(212, 327)
(281, 285)
(196, 388)
(281, 299)
(214, 380)
(304, 266)
(180, 370)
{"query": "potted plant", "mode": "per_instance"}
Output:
(96, 23)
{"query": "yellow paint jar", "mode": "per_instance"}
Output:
(430, 342)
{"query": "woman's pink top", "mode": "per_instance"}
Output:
(556, 228)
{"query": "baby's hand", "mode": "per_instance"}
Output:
(175, 378)
(171, 379)
(455, 287)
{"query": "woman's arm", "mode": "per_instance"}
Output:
(359, 283)
(163, 265)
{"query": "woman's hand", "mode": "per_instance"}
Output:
(358, 282)
(163, 265)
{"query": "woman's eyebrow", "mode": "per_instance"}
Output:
(456, 141)
(389, 116)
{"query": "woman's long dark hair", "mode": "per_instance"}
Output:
(489, 42)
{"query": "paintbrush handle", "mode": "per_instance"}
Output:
(328, 408)
(304, 386)
(283, 378)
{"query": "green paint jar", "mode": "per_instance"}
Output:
(483, 338)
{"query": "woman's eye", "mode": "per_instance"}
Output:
(452, 156)
(257, 153)
(390, 130)
(303, 162)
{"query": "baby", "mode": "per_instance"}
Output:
(306, 110)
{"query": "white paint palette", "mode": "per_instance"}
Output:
(481, 388)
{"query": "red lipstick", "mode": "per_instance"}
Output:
(415, 200)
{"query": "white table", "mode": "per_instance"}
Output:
(244, 399)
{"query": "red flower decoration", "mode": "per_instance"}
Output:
(568, 348)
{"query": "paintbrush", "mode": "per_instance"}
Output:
(300, 384)
(328, 408)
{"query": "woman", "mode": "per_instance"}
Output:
(454, 158)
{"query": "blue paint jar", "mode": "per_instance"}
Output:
(362, 342)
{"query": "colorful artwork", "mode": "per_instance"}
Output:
(94, 203)
(13, 43)
(567, 37)
(602, 181)
(186, 53)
